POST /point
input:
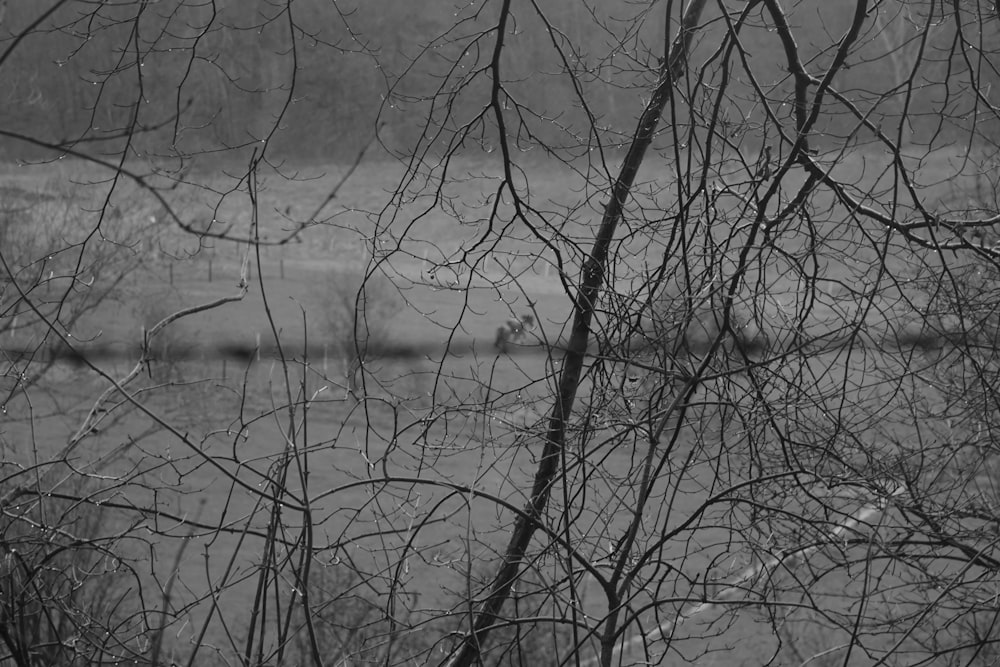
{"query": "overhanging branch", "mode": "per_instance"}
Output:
(584, 306)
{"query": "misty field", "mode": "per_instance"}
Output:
(414, 485)
(505, 334)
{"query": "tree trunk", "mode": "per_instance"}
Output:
(468, 651)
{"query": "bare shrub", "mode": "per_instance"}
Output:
(68, 589)
(171, 345)
(357, 311)
(350, 627)
(63, 257)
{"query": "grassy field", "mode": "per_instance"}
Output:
(409, 485)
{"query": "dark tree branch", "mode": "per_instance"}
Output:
(585, 304)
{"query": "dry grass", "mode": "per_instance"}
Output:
(455, 412)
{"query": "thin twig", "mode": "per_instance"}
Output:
(736, 585)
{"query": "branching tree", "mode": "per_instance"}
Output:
(755, 421)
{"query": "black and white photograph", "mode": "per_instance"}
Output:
(506, 333)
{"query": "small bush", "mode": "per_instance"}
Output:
(67, 595)
(168, 346)
(357, 315)
(350, 628)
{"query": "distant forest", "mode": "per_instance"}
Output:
(320, 95)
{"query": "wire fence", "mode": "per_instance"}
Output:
(431, 264)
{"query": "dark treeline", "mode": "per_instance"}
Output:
(313, 78)
(177, 351)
